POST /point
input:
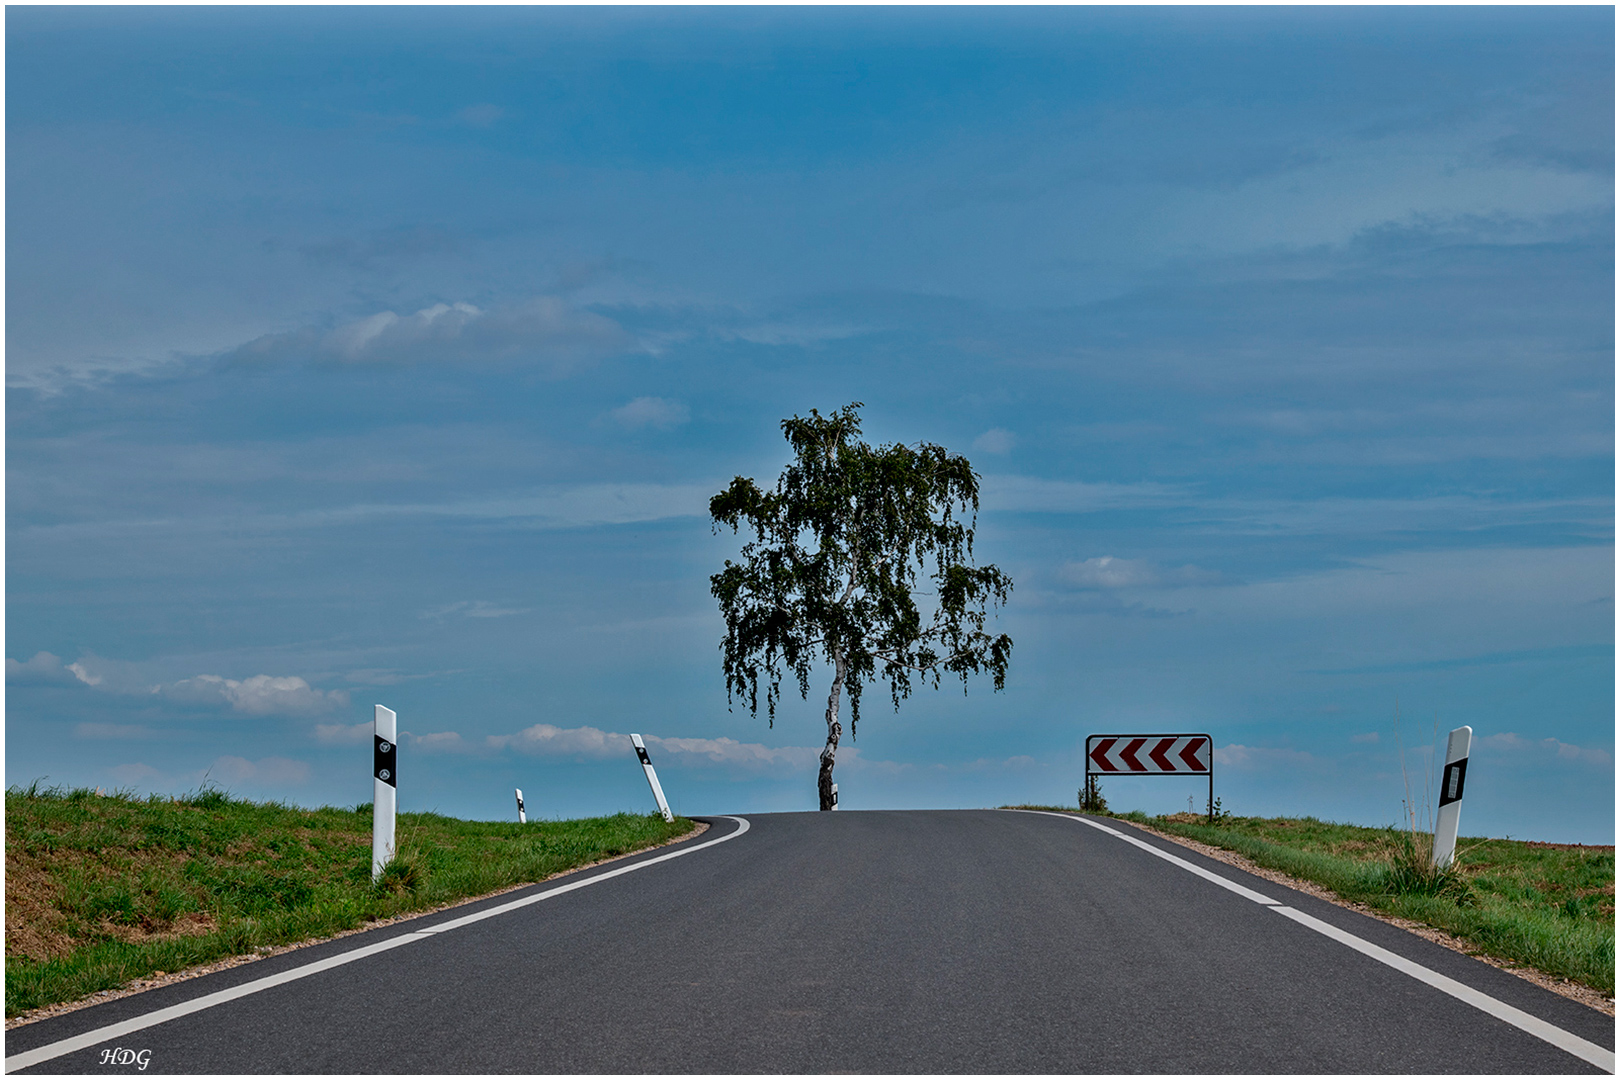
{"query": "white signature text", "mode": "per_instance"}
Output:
(119, 1055)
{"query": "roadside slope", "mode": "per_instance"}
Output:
(104, 890)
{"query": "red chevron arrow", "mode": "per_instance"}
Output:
(1158, 752)
(1128, 755)
(1190, 755)
(1099, 756)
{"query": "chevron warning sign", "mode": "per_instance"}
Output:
(1186, 755)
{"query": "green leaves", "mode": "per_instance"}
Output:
(830, 570)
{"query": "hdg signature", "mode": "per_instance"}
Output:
(118, 1055)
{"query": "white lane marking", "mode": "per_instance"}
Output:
(1574, 1044)
(220, 997)
(1549, 1033)
(1246, 893)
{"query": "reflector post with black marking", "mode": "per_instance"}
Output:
(384, 784)
(652, 777)
(1451, 793)
(522, 820)
(835, 797)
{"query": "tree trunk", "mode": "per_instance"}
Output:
(834, 730)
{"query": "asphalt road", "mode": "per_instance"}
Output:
(874, 942)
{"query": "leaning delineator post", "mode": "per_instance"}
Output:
(522, 818)
(1451, 793)
(652, 777)
(384, 777)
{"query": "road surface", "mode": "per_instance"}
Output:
(872, 942)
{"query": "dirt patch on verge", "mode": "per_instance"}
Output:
(1566, 847)
(160, 978)
(1563, 987)
(34, 926)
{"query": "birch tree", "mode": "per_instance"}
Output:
(831, 571)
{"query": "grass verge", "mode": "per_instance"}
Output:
(105, 889)
(1548, 906)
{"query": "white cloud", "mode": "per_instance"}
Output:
(1346, 185)
(1108, 572)
(480, 116)
(474, 609)
(540, 508)
(1026, 494)
(377, 677)
(782, 332)
(546, 740)
(1261, 758)
(135, 774)
(558, 507)
(1458, 594)
(261, 695)
(546, 331)
(44, 667)
(1018, 762)
(653, 412)
(110, 676)
(344, 734)
(849, 757)
(1291, 517)
(1335, 516)
(100, 732)
(439, 740)
(725, 751)
(266, 772)
(995, 441)
(1514, 743)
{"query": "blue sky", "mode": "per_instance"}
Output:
(391, 355)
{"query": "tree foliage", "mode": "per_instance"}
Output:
(830, 573)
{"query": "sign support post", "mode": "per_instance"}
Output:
(384, 781)
(1451, 792)
(652, 777)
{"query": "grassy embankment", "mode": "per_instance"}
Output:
(101, 890)
(1548, 906)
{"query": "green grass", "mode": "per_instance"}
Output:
(1550, 907)
(101, 890)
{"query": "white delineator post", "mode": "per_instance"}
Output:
(1451, 793)
(835, 796)
(652, 777)
(521, 819)
(384, 777)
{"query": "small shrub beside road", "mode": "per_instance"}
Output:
(104, 889)
(1548, 906)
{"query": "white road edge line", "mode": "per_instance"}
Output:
(1573, 1044)
(208, 1001)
